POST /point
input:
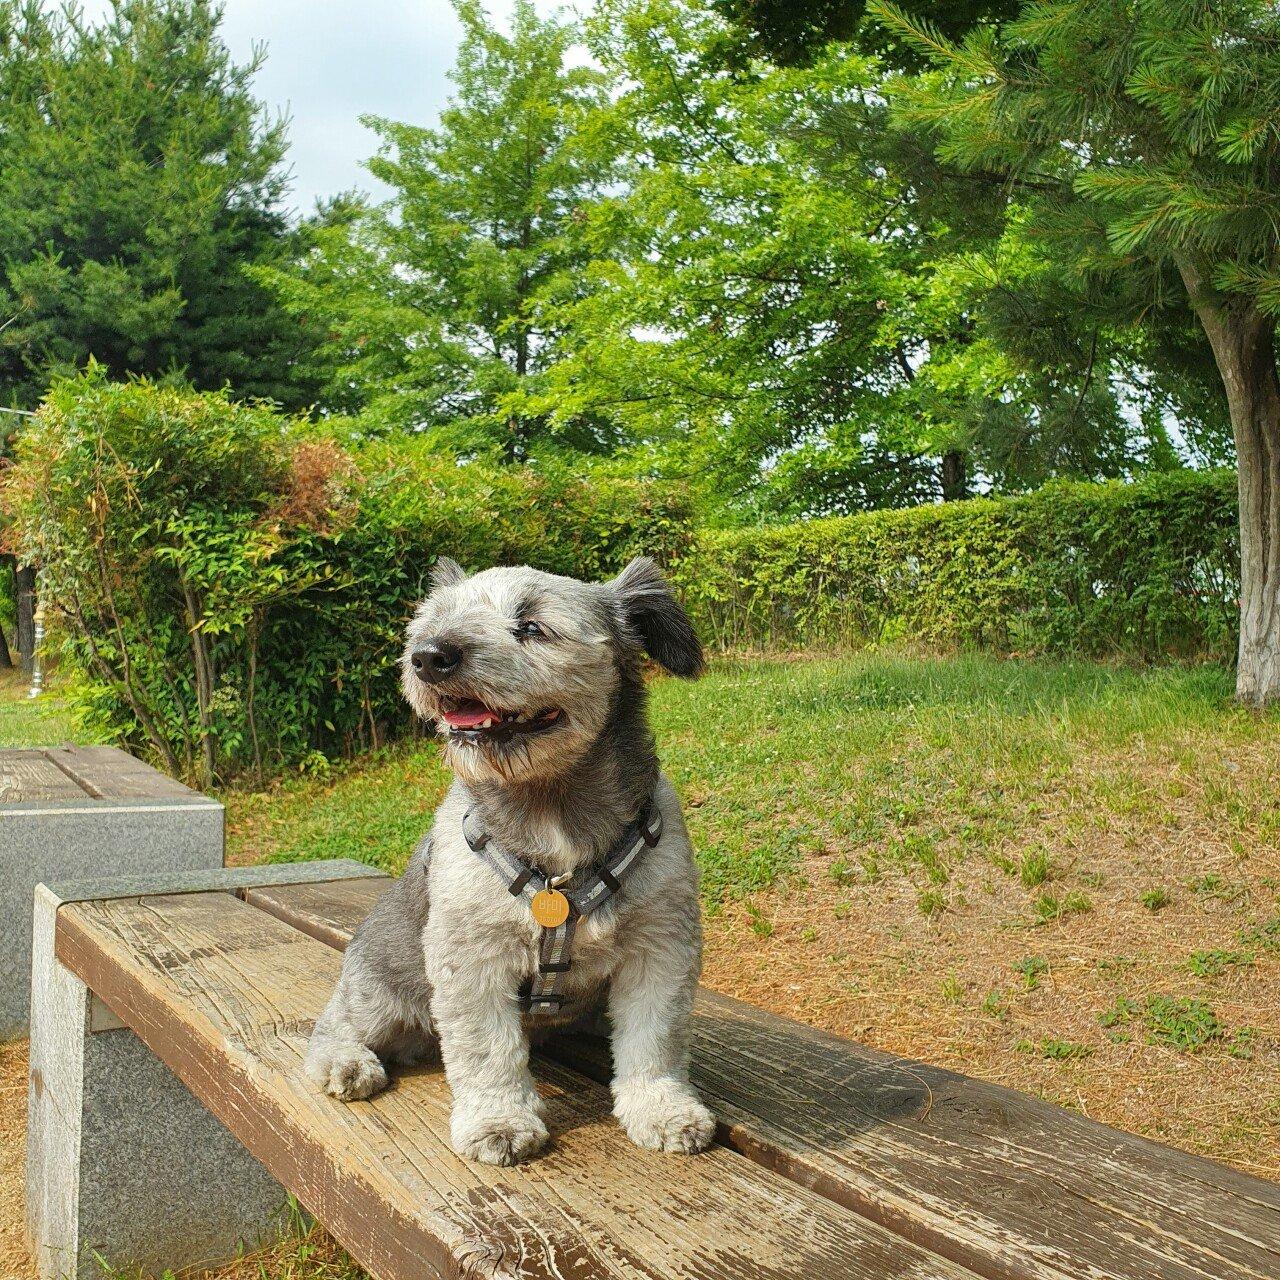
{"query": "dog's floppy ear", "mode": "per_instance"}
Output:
(445, 573)
(650, 606)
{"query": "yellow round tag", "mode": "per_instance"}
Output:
(550, 908)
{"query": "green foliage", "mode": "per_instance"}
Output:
(1211, 963)
(139, 178)
(235, 586)
(1156, 899)
(1181, 1023)
(1031, 968)
(427, 301)
(1147, 569)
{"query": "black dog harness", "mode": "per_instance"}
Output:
(557, 902)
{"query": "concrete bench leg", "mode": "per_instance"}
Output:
(122, 1160)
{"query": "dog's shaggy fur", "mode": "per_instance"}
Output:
(566, 765)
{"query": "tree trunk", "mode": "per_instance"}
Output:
(6, 659)
(954, 488)
(25, 577)
(1243, 342)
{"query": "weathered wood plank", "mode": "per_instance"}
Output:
(107, 773)
(322, 911)
(1011, 1186)
(225, 994)
(30, 775)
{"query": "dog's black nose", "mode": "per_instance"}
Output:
(436, 659)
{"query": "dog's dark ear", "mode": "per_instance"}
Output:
(650, 606)
(446, 573)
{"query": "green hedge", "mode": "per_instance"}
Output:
(1148, 570)
(234, 585)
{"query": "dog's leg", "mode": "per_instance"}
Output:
(339, 1059)
(496, 1116)
(650, 1001)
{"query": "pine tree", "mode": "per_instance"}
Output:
(138, 177)
(1143, 140)
(428, 300)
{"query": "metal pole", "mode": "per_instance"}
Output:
(37, 665)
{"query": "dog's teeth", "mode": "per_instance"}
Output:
(486, 723)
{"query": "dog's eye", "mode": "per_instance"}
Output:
(527, 631)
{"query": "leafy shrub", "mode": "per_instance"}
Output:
(1148, 570)
(234, 585)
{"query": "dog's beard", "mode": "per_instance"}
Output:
(517, 758)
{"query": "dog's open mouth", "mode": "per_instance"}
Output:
(471, 720)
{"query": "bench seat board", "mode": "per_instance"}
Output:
(1009, 1185)
(225, 994)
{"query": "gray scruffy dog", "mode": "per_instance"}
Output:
(534, 681)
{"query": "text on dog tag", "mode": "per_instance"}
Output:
(550, 908)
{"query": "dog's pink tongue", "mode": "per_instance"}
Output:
(468, 715)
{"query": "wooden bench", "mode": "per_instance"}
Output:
(833, 1161)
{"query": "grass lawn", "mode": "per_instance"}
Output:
(1060, 876)
(34, 722)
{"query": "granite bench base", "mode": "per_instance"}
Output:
(123, 1162)
(67, 813)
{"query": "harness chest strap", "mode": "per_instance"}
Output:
(562, 900)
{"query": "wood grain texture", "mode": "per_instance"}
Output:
(107, 773)
(225, 994)
(83, 773)
(30, 775)
(1013, 1187)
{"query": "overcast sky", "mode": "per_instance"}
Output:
(330, 61)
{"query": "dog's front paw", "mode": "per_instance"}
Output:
(664, 1115)
(498, 1138)
(350, 1072)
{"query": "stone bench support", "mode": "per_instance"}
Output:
(122, 1161)
(68, 813)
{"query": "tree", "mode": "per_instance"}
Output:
(1143, 139)
(782, 317)
(427, 301)
(138, 177)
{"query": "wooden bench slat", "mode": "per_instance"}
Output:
(1007, 1184)
(225, 994)
(29, 775)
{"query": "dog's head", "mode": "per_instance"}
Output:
(520, 670)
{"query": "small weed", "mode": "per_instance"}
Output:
(1094, 879)
(1122, 1011)
(1209, 964)
(840, 871)
(1263, 937)
(1215, 888)
(761, 925)
(1156, 899)
(1049, 907)
(808, 934)
(1180, 1023)
(952, 991)
(931, 902)
(1031, 968)
(1115, 964)
(841, 910)
(1242, 1043)
(994, 1005)
(1036, 867)
(1064, 1050)
(872, 872)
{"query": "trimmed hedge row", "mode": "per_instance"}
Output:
(1147, 570)
(233, 585)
